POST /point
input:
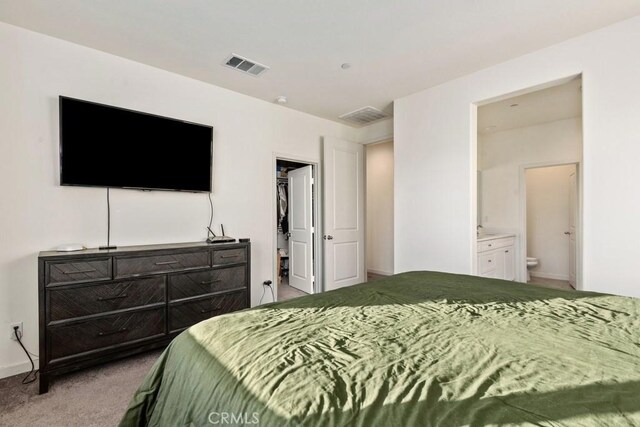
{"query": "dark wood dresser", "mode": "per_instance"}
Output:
(97, 306)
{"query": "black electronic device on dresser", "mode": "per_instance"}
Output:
(97, 306)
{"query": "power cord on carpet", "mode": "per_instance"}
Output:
(267, 283)
(33, 372)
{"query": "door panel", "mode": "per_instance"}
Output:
(345, 191)
(300, 218)
(346, 262)
(299, 268)
(343, 213)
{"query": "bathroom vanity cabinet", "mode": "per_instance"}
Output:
(497, 256)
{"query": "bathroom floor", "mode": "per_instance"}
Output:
(551, 283)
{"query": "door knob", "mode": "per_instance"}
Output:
(288, 235)
(327, 237)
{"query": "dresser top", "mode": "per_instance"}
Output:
(140, 248)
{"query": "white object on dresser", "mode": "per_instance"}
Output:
(497, 257)
(70, 247)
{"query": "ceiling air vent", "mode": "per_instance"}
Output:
(245, 65)
(364, 116)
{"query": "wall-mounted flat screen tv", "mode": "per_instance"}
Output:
(105, 146)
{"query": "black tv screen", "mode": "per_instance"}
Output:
(104, 146)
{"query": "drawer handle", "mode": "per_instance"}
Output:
(92, 270)
(489, 260)
(167, 262)
(112, 298)
(210, 282)
(230, 256)
(210, 310)
(119, 331)
(490, 245)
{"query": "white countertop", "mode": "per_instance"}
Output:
(485, 237)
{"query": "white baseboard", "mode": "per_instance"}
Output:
(544, 275)
(18, 368)
(379, 272)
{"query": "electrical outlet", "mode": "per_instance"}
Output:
(20, 331)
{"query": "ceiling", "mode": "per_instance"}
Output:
(395, 48)
(548, 105)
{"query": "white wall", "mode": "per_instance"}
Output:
(376, 132)
(37, 214)
(435, 152)
(500, 156)
(379, 240)
(547, 220)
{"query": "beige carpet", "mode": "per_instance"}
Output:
(93, 397)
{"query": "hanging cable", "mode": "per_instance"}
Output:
(33, 372)
(210, 213)
(108, 219)
(108, 247)
(267, 283)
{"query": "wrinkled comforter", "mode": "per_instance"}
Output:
(415, 349)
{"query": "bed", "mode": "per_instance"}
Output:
(414, 349)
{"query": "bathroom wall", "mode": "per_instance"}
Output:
(500, 156)
(379, 239)
(547, 220)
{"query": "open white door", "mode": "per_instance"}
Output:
(301, 229)
(573, 219)
(344, 229)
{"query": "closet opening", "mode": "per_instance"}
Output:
(296, 231)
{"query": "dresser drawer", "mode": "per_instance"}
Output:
(135, 266)
(205, 282)
(77, 271)
(487, 263)
(229, 256)
(100, 298)
(185, 314)
(489, 245)
(117, 329)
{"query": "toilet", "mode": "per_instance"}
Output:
(531, 263)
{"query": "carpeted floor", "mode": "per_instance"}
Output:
(93, 397)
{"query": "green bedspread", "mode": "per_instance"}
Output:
(415, 349)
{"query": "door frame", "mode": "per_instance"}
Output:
(318, 285)
(522, 217)
(474, 142)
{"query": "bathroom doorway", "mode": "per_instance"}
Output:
(549, 227)
(534, 130)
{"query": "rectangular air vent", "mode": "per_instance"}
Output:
(245, 65)
(364, 116)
